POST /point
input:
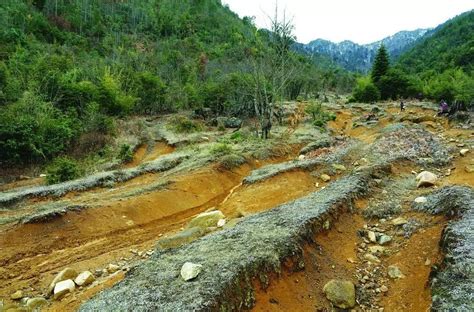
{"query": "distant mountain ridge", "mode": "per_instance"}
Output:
(359, 58)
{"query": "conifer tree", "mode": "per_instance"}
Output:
(381, 65)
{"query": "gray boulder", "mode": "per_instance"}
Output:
(340, 293)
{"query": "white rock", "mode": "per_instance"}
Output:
(325, 177)
(464, 151)
(301, 157)
(371, 236)
(112, 268)
(399, 221)
(371, 258)
(221, 223)
(426, 178)
(376, 249)
(190, 270)
(394, 272)
(84, 279)
(206, 219)
(421, 200)
(65, 274)
(35, 303)
(63, 288)
(17, 295)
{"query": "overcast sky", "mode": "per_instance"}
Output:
(362, 21)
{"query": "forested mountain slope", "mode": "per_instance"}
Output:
(450, 46)
(69, 68)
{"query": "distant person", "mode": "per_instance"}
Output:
(443, 108)
(266, 127)
(402, 106)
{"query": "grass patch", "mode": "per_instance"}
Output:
(61, 170)
(182, 124)
(232, 161)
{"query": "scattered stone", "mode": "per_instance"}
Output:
(399, 221)
(464, 151)
(339, 167)
(221, 223)
(421, 200)
(394, 272)
(190, 270)
(351, 260)
(326, 225)
(182, 238)
(384, 288)
(65, 274)
(17, 295)
(371, 258)
(426, 179)
(428, 262)
(340, 293)
(325, 177)
(371, 236)
(376, 249)
(36, 303)
(384, 239)
(301, 157)
(112, 268)
(62, 288)
(84, 279)
(206, 219)
(469, 168)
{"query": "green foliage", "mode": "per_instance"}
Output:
(126, 153)
(451, 85)
(151, 92)
(365, 91)
(33, 130)
(221, 149)
(396, 84)
(381, 65)
(96, 61)
(182, 124)
(444, 62)
(111, 96)
(62, 169)
(450, 46)
(319, 116)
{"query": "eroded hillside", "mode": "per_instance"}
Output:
(296, 211)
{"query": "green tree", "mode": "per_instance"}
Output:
(381, 65)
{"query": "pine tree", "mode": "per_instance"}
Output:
(381, 65)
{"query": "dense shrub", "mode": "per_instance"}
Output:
(112, 98)
(365, 91)
(33, 130)
(232, 161)
(182, 124)
(126, 153)
(151, 92)
(62, 169)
